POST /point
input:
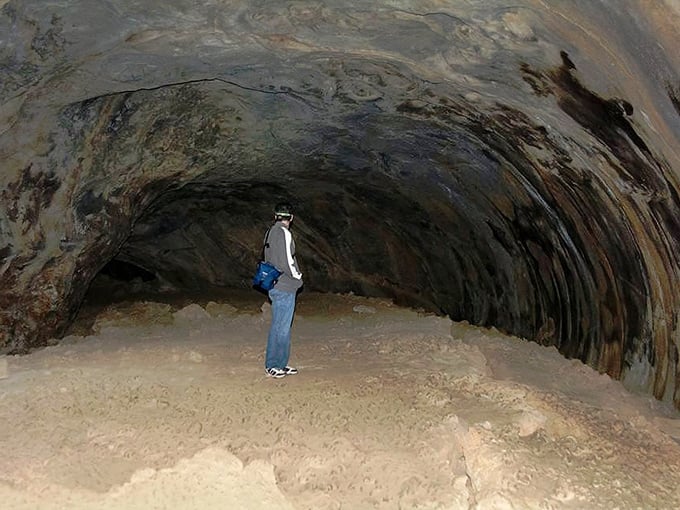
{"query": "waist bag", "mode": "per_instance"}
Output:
(266, 275)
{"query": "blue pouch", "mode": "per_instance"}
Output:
(266, 276)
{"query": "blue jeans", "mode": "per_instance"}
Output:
(278, 343)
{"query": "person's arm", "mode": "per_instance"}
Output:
(281, 252)
(291, 263)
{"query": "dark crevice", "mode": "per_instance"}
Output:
(674, 96)
(175, 84)
(126, 271)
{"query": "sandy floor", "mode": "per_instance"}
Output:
(166, 408)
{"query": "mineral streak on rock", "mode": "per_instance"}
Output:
(513, 164)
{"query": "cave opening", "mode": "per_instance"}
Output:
(436, 204)
(433, 216)
(446, 203)
(125, 271)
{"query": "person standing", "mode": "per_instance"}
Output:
(279, 250)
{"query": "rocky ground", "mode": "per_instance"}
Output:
(166, 405)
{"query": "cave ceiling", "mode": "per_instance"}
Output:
(513, 164)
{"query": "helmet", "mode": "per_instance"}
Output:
(283, 210)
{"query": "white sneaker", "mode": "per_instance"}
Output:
(290, 370)
(276, 373)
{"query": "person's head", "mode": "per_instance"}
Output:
(283, 212)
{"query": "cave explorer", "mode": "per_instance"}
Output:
(279, 250)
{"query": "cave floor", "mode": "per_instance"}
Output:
(166, 405)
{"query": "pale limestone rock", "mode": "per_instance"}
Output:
(529, 421)
(193, 312)
(364, 309)
(220, 309)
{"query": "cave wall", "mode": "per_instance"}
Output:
(513, 164)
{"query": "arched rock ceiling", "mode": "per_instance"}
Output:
(510, 163)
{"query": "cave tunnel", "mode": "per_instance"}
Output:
(511, 165)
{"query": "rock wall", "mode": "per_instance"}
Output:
(509, 163)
